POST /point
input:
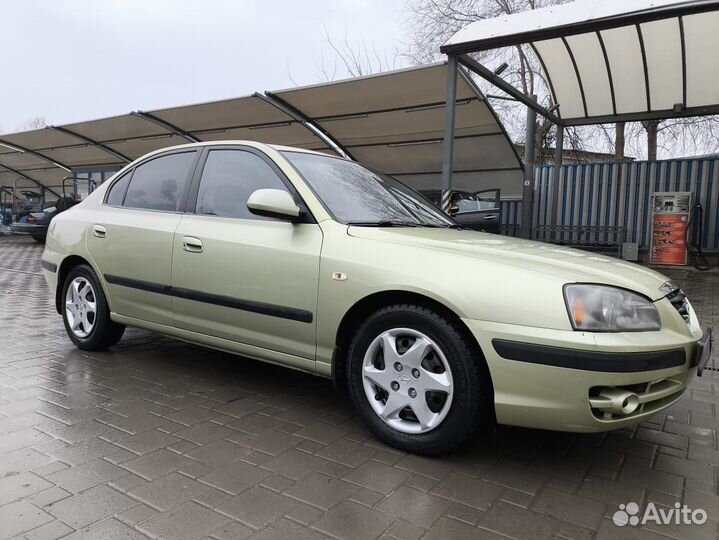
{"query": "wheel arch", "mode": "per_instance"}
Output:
(67, 264)
(364, 307)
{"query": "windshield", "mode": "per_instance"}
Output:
(356, 195)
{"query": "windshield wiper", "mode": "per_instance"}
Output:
(443, 226)
(383, 223)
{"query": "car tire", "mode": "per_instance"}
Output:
(85, 311)
(451, 362)
(39, 238)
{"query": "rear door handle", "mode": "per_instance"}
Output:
(192, 244)
(99, 231)
(491, 217)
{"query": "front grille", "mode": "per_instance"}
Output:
(680, 303)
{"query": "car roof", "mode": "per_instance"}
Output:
(256, 144)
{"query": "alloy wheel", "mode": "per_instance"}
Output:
(81, 307)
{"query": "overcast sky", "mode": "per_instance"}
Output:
(71, 60)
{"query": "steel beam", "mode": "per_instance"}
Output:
(528, 188)
(35, 153)
(499, 82)
(556, 176)
(450, 113)
(166, 125)
(94, 143)
(306, 121)
(480, 96)
(704, 110)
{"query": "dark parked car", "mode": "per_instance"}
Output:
(35, 221)
(479, 211)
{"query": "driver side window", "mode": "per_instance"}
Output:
(229, 178)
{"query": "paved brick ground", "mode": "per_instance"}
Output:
(161, 439)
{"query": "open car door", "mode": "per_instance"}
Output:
(480, 211)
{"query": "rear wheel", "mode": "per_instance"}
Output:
(85, 311)
(415, 379)
(39, 238)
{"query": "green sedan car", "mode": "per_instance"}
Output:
(320, 264)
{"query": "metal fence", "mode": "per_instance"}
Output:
(619, 194)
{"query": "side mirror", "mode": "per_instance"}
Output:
(274, 203)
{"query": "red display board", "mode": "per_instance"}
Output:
(670, 221)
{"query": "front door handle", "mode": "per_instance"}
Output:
(192, 244)
(99, 231)
(490, 217)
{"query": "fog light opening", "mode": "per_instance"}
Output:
(630, 404)
(615, 401)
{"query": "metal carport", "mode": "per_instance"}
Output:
(392, 121)
(604, 61)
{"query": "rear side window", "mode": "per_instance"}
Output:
(229, 178)
(117, 191)
(160, 183)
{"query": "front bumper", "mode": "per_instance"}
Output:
(561, 380)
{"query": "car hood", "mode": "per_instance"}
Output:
(571, 265)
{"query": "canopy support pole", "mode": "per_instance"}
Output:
(556, 176)
(448, 145)
(528, 188)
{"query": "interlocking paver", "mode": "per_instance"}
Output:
(19, 517)
(321, 490)
(87, 475)
(571, 508)
(467, 490)
(168, 491)
(91, 506)
(284, 528)
(147, 441)
(517, 523)
(82, 452)
(19, 486)
(159, 463)
(160, 439)
(188, 521)
(378, 476)
(346, 452)
(414, 506)
(354, 521)
(257, 506)
(235, 477)
(110, 529)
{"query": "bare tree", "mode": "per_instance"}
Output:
(36, 122)
(354, 58)
(433, 22)
(619, 140)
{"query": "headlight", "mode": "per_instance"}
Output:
(600, 308)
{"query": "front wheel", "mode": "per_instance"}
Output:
(85, 311)
(415, 379)
(39, 238)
